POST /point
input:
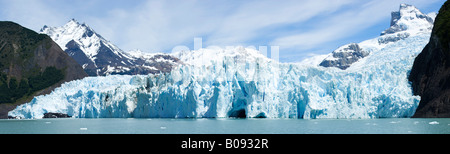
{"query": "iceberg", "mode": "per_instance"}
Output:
(241, 82)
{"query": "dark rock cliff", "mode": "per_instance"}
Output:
(430, 74)
(31, 64)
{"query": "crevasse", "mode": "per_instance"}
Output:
(244, 84)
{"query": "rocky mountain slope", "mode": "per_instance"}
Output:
(406, 22)
(31, 64)
(99, 57)
(430, 75)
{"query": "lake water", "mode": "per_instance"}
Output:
(226, 126)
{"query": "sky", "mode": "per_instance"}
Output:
(301, 28)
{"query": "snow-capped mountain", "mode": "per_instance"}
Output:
(99, 57)
(241, 82)
(409, 19)
(406, 22)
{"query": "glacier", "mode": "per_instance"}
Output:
(241, 82)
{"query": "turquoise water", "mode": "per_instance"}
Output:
(226, 126)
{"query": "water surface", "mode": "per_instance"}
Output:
(226, 126)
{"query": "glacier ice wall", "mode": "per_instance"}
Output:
(237, 85)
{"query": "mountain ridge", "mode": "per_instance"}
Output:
(406, 22)
(99, 57)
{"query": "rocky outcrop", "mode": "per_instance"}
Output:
(411, 16)
(430, 74)
(345, 56)
(56, 115)
(407, 22)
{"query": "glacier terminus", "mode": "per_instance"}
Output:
(242, 82)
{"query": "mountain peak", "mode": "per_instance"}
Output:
(409, 18)
(98, 56)
(86, 38)
(76, 25)
(72, 22)
(408, 21)
(406, 6)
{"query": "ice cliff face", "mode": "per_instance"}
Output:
(240, 82)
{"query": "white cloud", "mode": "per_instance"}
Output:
(249, 19)
(158, 25)
(343, 24)
(161, 25)
(340, 25)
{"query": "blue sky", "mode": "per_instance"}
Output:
(302, 28)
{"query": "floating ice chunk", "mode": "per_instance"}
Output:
(434, 123)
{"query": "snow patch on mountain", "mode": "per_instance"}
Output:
(313, 60)
(82, 34)
(410, 19)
